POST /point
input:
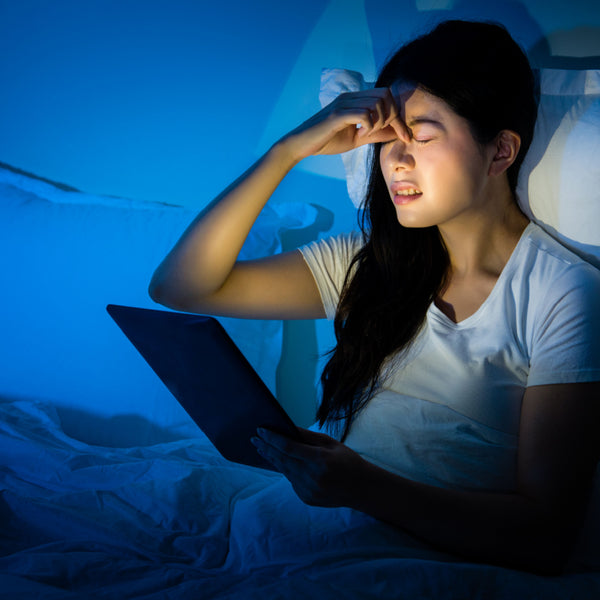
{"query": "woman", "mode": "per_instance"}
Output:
(456, 318)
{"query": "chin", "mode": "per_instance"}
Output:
(415, 223)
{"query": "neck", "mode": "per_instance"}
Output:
(482, 241)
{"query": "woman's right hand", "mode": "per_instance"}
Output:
(351, 120)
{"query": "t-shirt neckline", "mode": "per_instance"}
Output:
(508, 268)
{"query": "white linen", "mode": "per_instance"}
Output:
(175, 521)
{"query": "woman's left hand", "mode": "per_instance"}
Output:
(322, 471)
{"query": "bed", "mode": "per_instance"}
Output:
(107, 490)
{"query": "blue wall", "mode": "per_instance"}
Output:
(169, 100)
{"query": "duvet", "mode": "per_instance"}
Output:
(175, 520)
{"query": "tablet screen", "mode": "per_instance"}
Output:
(209, 376)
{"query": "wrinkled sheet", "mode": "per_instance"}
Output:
(175, 520)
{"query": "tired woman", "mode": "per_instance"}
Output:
(462, 399)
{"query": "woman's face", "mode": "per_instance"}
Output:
(441, 175)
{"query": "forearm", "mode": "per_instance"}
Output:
(499, 528)
(509, 529)
(204, 256)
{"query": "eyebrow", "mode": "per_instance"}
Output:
(425, 119)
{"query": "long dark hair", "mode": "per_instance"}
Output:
(483, 75)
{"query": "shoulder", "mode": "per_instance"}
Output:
(554, 269)
(329, 260)
(560, 294)
(341, 245)
(333, 253)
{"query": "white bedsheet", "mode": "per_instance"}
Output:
(175, 520)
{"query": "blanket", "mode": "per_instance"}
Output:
(176, 520)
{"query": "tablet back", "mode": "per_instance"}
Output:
(209, 376)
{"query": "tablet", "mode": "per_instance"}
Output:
(209, 376)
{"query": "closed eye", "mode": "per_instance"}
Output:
(425, 129)
(422, 135)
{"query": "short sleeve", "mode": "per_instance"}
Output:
(566, 346)
(329, 260)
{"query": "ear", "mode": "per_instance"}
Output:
(506, 147)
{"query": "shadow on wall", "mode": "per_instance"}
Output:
(403, 22)
(574, 49)
(577, 48)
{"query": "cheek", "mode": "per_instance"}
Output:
(457, 169)
(383, 165)
(469, 161)
(386, 173)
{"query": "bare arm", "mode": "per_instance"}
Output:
(202, 273)
(532, 528)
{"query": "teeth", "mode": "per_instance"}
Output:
(410, 192)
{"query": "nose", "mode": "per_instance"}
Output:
(398, 156)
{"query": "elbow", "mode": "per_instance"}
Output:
(555, 556)
(156, 290)
(545, 563)
(161, 291)
(555, 539)
(175, 293)
(539, 541)
(547, 552)
(539, 556)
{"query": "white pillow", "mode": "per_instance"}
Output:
(559, 182)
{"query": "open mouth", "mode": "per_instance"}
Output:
(406, 196)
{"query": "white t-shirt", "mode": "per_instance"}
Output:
(449, 410)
